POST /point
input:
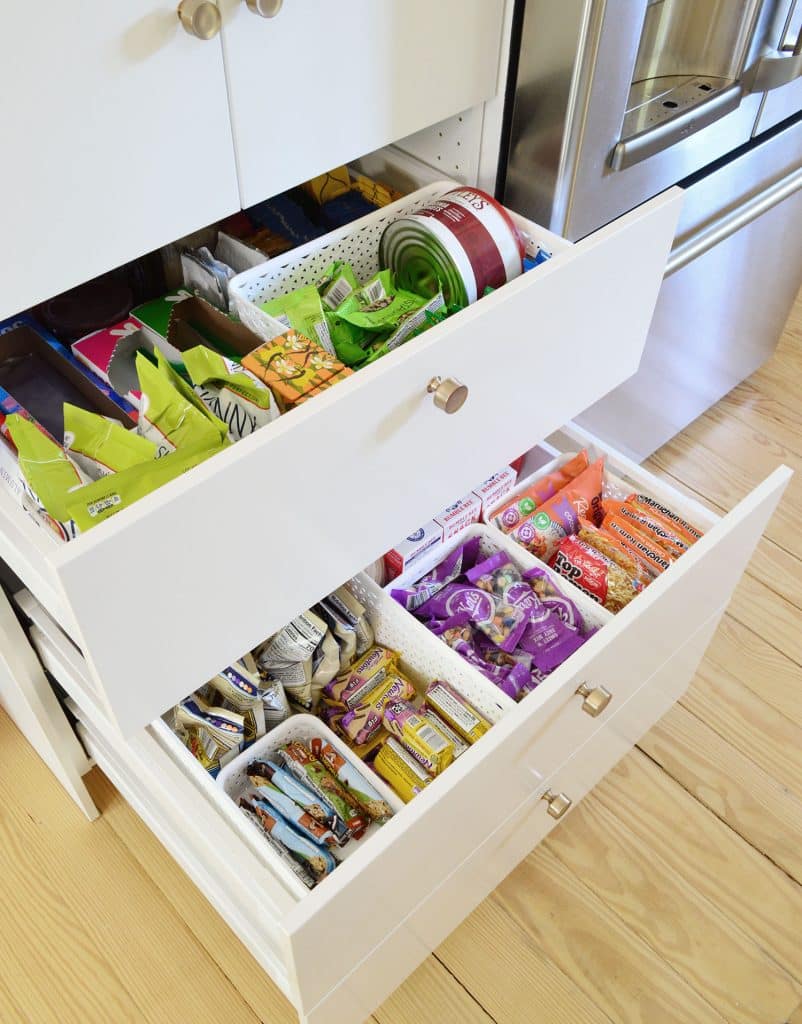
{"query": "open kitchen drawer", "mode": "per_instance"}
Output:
(167, 592)
(338, 950)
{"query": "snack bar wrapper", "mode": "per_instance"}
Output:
(361, 724)
(267, 823)
(450, 705)
(528, 501)
(453, 565)
(301, 820)
(598, 576)
(352, 688)
(230, 392)
(430, 748)
(352, 780)
(454, 738)
(315, 858)
(307, 769)
(400, 770)
(268, 773)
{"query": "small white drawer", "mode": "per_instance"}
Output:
(167, 592)
(394, 876)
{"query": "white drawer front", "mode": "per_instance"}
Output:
(166, 593)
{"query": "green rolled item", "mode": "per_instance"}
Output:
(100, 446)
(422, 263)
(171, 414)
(98, 501)
(350, 342)
(234, 395)
(303, 311)
(48, 470)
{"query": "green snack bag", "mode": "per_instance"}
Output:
(171, 414)
(302, 310)
(338, 282)
(100, 446)
(233, 394)
(47, 469)
(350, 343)
(91, 504)
(379, 305)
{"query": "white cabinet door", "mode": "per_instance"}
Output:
(116, 139)
(322, 83)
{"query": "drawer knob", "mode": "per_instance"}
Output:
(449, 394)
(264, 8)
(594, 699)
(200, 18)
(558, 803)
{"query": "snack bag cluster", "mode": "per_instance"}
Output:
(609, 543)
(490, 612)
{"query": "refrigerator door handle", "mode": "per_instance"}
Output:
(780, 66)
(704, 240)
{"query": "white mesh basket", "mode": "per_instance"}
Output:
(356, 243)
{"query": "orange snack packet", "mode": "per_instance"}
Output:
(613, 547)
(641, 520)
(638, 543)
(666, 517)
(522, 505)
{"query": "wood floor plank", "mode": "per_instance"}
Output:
(523, 976)
(748, 724)
(76, 882)
(756, 806)
(592, 945)
(751, 659)
(796, 1016)
(763, 901)
(768, 615)
(209, 929)
(682, 925)
(431, 994)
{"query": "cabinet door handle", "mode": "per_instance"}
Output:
(449, 394)
(594, 699)
(558, 803)
(200, 18)
(264, 8)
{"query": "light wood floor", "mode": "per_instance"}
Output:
(672, 894)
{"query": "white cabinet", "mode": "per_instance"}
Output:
(116, 140)
(322, 83)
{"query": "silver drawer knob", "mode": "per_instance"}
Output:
(200, 18)
(449, 394)
(558, 803)
(264, 8)
(595, 699)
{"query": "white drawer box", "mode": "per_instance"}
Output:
(169, 591)
(400, 893)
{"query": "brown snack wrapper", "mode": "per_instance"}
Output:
(307, 769)
(352, 780)
(353, 687)
(456, 711)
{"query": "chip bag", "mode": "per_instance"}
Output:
(100, 446)
(232, 393)
(171, 414)
(302, 310)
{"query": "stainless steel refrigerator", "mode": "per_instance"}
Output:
(611, 102)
